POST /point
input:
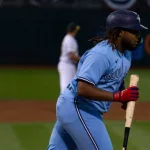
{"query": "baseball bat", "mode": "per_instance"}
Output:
(134, 79)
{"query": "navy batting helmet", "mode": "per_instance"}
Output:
(124, 19)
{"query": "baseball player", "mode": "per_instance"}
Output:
(69, 56)
(97, 83)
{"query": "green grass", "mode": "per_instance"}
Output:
(35, 136)
(32, 84)
(28, 136)
(29, 84)
(144, 82)
(138, 138)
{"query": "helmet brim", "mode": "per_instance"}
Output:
(140, 27)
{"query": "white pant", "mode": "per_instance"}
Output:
(66, 73)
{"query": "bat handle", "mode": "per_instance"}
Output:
(134, 79)
(126, 136)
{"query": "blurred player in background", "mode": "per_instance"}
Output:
(69, 56)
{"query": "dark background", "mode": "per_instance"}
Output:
(31, 31)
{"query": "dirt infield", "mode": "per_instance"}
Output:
(37, 111)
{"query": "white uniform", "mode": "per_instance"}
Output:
(66, 67)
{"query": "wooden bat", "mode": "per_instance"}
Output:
(134, 79)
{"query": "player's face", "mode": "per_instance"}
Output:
(130, 39)
(75, 32)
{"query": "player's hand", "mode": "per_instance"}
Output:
(129, 94)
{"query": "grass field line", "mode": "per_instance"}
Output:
(8, 138)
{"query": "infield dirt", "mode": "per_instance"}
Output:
(38, 111)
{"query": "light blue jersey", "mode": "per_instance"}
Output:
(104, 68)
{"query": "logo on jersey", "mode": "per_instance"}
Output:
(115, 75)
(120, 4)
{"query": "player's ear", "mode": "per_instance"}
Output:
(121, 34)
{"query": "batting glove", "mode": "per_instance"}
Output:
(129, 94)
(122, 87)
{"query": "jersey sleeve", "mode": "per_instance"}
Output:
(93, 68)
(71, 46)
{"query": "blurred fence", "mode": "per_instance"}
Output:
(111, 4)
(32, 35)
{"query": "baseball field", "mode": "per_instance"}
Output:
(27, 110)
